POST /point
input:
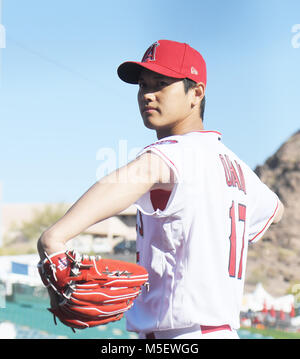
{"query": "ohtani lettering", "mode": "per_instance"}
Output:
(233, 173)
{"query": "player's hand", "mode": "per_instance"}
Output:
(50, 245)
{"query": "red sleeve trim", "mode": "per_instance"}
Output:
(167, 158)
(266, 225)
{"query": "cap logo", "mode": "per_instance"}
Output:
(150, 53)
(194, 71)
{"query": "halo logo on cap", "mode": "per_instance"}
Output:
(150, 53)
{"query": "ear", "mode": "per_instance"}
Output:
(198, 93)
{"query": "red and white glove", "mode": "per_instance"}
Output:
(91, 291)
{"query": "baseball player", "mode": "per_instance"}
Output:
(198, 205)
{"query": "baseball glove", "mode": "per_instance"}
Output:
(90, 291)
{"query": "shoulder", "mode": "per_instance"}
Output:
(156, 169)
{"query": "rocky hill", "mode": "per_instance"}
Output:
(275, 259)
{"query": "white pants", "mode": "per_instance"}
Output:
(193, 333)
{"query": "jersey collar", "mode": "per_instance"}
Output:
(213, 133)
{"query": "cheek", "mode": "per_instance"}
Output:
(176, 106)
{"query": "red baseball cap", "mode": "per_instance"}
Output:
(168, 58)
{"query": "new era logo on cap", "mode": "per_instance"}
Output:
(168, 58)
(194, 71)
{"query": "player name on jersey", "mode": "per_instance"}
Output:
(233, 173)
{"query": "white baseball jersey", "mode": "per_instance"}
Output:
(193, 241)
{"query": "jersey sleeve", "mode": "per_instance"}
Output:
(169, 151)
(264, 208)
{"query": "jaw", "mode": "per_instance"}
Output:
(162, 130)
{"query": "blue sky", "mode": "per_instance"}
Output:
(61, 100)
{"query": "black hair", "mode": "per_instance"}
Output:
(188, 84)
